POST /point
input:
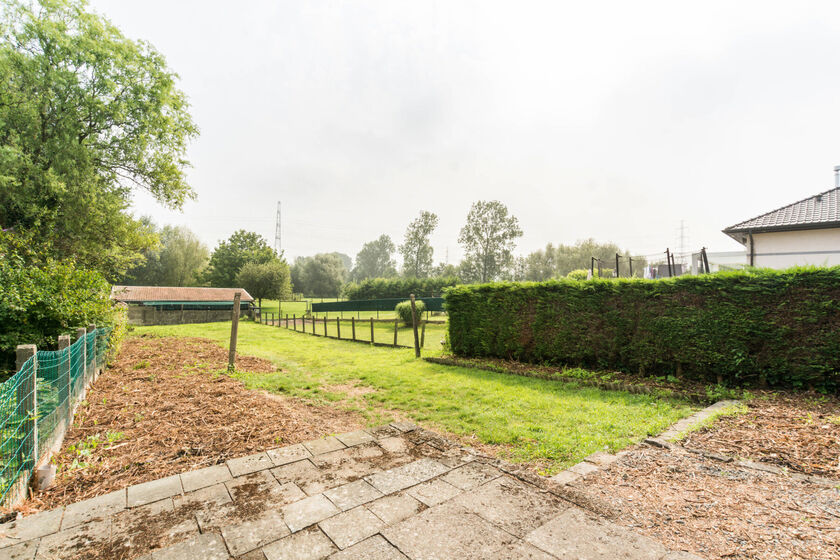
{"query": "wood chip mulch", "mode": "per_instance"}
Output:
(726, 511)
(174, 411)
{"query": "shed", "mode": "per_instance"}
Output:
(158, 305)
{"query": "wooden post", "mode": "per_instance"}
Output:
(234, 331)
(325, 325)
(423, 335)
(92, 329)
(371, 330)
(396, 325)
(630, 260)
(414, 325)
(617, 275)
(81, 332)
(64, 375)
(287, 320)
(294, 321)
(338, 326)
(27, 407)
(668, 258)
(353, 324)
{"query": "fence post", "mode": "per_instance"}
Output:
(325, 325)
(27, 397)
(414, 326)
(80, 335)
(92, 329)
(64, 374)
(423, 335)
(338, 326)
(234, 331)
(353, 324)
(371, 330)
(396, 324)
(294, 321)
(287, 320)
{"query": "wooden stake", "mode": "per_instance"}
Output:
(353, 324)
(371, 330)
(414, 325)
(423, 335)
(338, 326)
(294, 321)
(325, 325)
(234, 331)
(396, 325)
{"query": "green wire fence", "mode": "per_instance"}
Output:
(37, 405)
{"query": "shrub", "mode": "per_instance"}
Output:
(579, 274)
(782, 327)
(403, 310)
(382, 288)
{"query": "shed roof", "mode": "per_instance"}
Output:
(818, 211)
(158, 294)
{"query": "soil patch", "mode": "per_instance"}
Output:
(164, 407)
(719, 510)
(797, 432)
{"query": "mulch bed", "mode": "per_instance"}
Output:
(175, 411)
(724, 510)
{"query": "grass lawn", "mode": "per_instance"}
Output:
(547, 423)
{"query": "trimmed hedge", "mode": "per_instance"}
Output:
(740, 328)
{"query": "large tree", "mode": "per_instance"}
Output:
(269, 280)
(86, 116)
(319, 275)
(231, 255)
(376, 260)
(416, 250)
(488, 238)
(176, 261)
(560, 260)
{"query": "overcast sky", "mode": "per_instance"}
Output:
(612, 120)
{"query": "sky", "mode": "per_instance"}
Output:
(622, 121)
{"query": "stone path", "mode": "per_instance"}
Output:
(395, 492)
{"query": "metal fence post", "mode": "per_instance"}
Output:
(81, 333)
(27, 398)
(95, 372)
(64, 375)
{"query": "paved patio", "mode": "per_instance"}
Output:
(393, 492)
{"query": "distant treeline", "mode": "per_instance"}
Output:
(376, 288)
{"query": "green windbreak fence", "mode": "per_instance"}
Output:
(387, 304)
(37, 403)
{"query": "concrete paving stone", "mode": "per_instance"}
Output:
(352, 494)
(601, 458)
(208, 476)
(471, 475)
(149, 527)
(23, 551)
(374, 548)
(574, 534)
(155, 490)
(351, 527)
(309, 511)
(583, 469)
(323, 445)
(290, 454)
(522, 551)
(30, 527)
(249, 535)
(395, 508)
(253, 555)
(423, 469)
(260, 483)
(513, 505)
(210, 496)
(447, 531)
(100, 506)
(565, 477)
(209, 546)
(77, 540)
(305, 474)
(309, 544)
(354, 438)
(404, 426)
(384, 431)
(391, 481)
(249, 464)
(433, 492)
(393, 444)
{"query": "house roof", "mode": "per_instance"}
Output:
(176, 294)
(819, 211)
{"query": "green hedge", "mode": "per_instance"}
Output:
(403, 310)
(778, 327)
(383, 288)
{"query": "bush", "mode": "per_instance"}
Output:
(579, 274)
(40, 303)
(782, 327)
(382, 288)
(403, 310)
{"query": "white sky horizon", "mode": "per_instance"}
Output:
(609, 120)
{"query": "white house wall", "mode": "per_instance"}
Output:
(783, 249)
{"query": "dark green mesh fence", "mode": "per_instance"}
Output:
(36, 405)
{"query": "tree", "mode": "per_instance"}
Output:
(375, 260)
(182, 257)
(269, 280)
(320, 275)
(416, 250)
(86, 116)
(488, 239)
(560, 260)
(230, 256)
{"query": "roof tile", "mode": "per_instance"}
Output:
(823, 208)
(171, 293)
